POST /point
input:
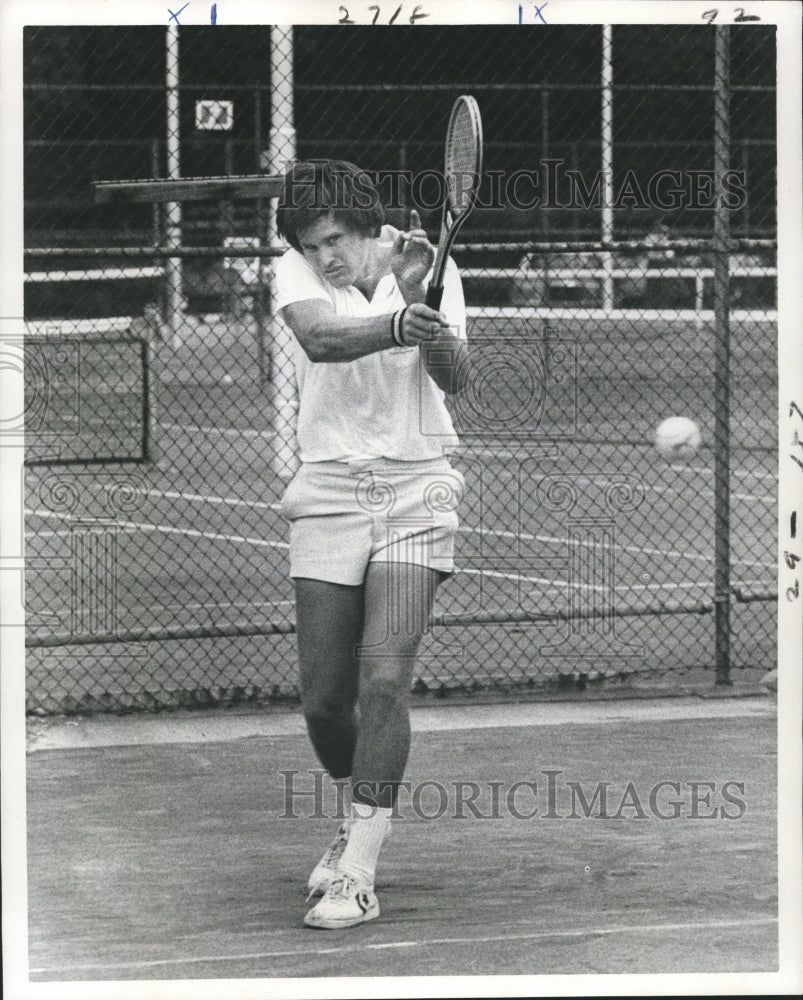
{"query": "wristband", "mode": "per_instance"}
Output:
(396, 328)
(400, 329)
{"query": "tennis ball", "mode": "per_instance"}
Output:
(677, 437)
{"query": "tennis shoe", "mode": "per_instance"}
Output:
(327, 869)
(346, 903)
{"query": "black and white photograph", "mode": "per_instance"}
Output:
(519, 284)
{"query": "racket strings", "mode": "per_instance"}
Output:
(462, 158)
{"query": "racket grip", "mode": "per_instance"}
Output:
(434, 296)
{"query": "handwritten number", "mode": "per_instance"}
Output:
(416, 15)
(790, 559)
(794, 408)
(792, 593)
(740, 18)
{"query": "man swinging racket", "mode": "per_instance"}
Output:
(372, 508)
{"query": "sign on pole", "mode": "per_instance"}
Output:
(214, 116)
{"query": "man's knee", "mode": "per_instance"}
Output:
(385, 689)
(322, 713)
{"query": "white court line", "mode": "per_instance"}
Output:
(262, 505)
(198, 497)
(214, 605)
(467, 571)
(641, 550)
(308, 951)
(246, 432)
(663, 490)
(604, 588)
(516, 577)
(703, 470)
(167, 530)
(564, 584)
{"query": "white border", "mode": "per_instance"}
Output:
(15, 13)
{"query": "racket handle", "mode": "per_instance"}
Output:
(434, 296)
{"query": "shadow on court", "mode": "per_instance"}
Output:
(652, 851)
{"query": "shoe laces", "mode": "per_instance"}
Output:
(344, 885)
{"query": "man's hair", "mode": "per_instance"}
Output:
(321, 188)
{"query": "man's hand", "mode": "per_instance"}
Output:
(411, 258)
(422, 325)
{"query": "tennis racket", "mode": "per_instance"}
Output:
(463, 166)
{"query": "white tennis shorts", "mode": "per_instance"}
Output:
(343, 518)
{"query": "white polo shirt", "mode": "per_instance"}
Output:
(384, 405)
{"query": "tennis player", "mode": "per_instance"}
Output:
(373, 507)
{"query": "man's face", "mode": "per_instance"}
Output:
(337, 253)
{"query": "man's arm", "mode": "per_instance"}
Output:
(327, 337)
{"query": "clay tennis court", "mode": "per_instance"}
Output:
(162, 848)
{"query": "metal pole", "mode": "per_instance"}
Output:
(722, 583)
(175, 301)
(263, 360)
(606, 113)
(545, 151)
(155, 219)
(281, 153)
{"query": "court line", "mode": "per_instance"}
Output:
(704, 471)
(203, 497)
(467, 571)
(204, 605)
(262, 505)
(540, 935)
(663, 490)
(606, 588)
(247, 432)
(642, 550)
(169, 530)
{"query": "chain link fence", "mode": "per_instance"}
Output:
(619, 270)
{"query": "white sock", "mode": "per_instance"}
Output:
(342, 789)
(368, 828)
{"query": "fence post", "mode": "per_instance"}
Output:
(175, 303)
(607, 163)
(156, 216)
(722, 582)
(281, 153)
